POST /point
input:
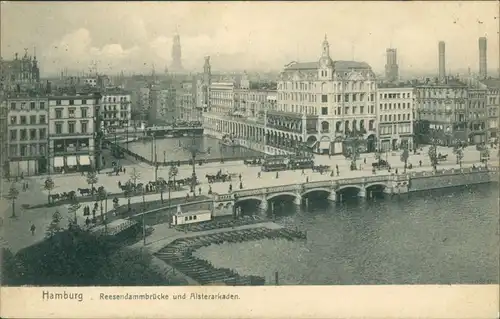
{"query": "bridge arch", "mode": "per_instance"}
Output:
(343, 187)
(240, 200)
(313, 190)
(378, 184)
(272, 196)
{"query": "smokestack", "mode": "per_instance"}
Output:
(442, 61)
(483, 71)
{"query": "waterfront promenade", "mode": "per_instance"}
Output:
(63, 183)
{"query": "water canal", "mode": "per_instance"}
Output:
(168, 149)
(450, 236)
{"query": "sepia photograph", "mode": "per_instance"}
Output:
(277, 145)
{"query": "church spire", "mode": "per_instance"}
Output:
(326, 48)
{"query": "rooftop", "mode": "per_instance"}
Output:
(337, 65)
(491, 83)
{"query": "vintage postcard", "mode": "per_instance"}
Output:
(249, 159)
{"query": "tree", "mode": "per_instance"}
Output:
(135, 175)
(92, 179)
(353, 155)
(404, 157)
(54, 226)
(73, 208)
(49, 186)
(128, 192)
(12, 196)
(433, 156)
(485, 154)
(172, 173)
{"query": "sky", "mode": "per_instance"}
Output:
(134, 36)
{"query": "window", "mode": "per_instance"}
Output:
(23, 120)
(13, 135)
(24, 150)
(13, 106)
(42, 105)
(194, 217)
(13, 150)
(324, 111)
(84, 102)
(42, 148)
(361, 109)
(33, 119)
(13, 120)
(58, 113)
(34, 149)
(42, 119)
(58, 102)
(84, 112)
(71, 113)
(346, 97)
(24, 134)
(33, 134)
(71, 127)
(71, 102)
(354, 97)
(41, 133)
(84, 127)
(32, 106)
(58, 128)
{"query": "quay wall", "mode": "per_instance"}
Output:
(451, 178)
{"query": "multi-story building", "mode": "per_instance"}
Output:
(4, 133)
(71, 131)
(493, 107)
(326, 104)
(477, 115)
(185, 102)
(162, 108)
(441, 112)
(28, 134)
(395, 116)
(20, 71)
(391, 66)
(115, 108)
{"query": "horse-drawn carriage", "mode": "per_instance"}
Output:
(381, 164)
(219, 177)
(321, 168)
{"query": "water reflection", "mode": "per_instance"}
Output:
(169, 149)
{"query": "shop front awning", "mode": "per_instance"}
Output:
(84, 160)
(324, 145)
(71, 160)
(312, 144)
(58, 161)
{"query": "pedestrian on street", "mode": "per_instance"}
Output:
(307, 179)
(396, 170)
(331, 174)
(199, 190)
(420, 163)
(258, 174)
(87, 221)
(337, 168)
(241, 185)
(364, 160)
(230, 188)
(303, 173)
(32, 229)
(277, 175)
(240, 177)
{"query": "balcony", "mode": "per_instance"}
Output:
(311, 130)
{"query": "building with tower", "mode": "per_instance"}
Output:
(483, 66)
(19, 72)
(176, 55)
(391, 66)
(327, 104)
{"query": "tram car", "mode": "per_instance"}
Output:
(301, 163)
(275, 164)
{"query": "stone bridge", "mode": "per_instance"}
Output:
(334, 188)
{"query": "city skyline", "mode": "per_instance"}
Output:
(134, 36)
